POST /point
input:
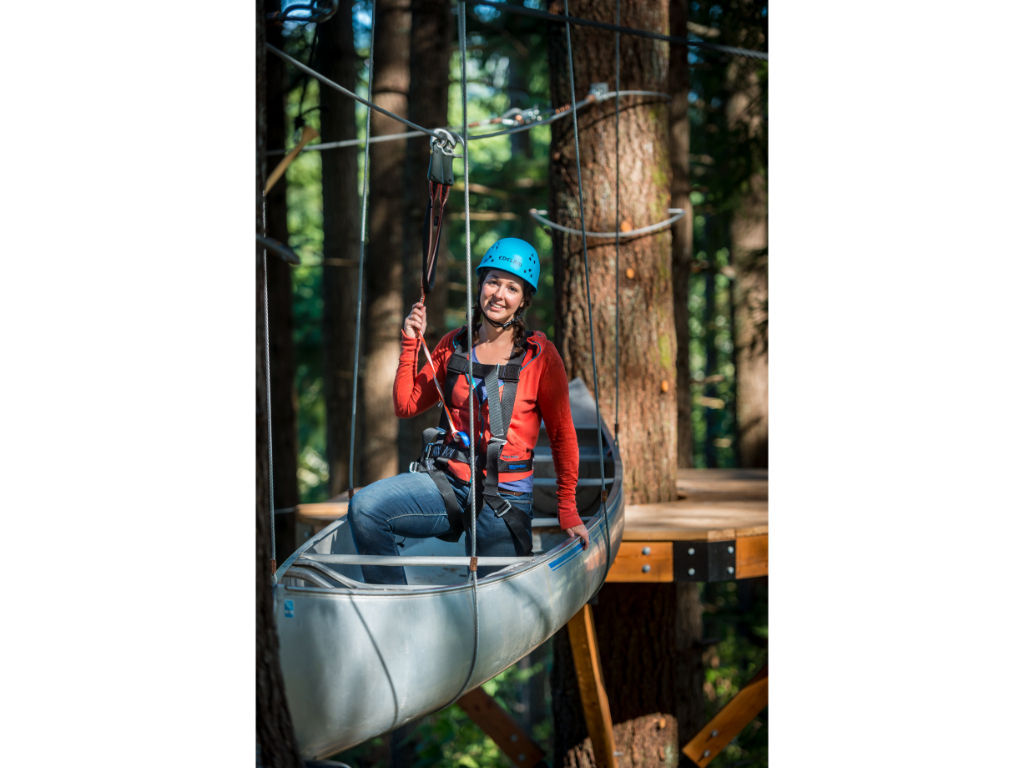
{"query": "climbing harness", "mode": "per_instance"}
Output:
(438, 451)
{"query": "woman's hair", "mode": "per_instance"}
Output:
(519, 329)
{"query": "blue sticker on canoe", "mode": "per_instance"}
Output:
(289, 609)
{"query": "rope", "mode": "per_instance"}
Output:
(590, 308)
(559, 113)
(469, 372)
(270, 433)
(362, 260)
(627, 30)
(618, 219)
(677, 214)
(342, 89)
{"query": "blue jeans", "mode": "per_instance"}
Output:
(410, 505)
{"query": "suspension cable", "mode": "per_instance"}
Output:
(618, 220)
(590, 306)
(522, 11)
(469, 372)
(677, 214)
(270, 433)
(362, 260)
(342, 89)
(558, 114)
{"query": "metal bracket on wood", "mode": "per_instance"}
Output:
(704, 560)
(727, 724)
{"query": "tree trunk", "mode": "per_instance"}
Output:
(745, 113)
(682, 230)
(642, 669)
(429, 55)
(274, 735)
(337, 60)
(647, 320)
(283, 402)
(384, 305)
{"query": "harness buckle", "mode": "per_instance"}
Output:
(505, 506)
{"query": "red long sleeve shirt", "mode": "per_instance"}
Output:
(543, 393)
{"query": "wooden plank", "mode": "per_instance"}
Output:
(642, 561)
(751, 556)
(735, 484)
(726, 725)
(583, 641)
(686, 520)
(503, 730)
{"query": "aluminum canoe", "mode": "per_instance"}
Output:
(359, 660)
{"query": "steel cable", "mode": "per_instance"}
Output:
(362, 259)
(590, 306)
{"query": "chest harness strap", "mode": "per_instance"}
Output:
(438, 452)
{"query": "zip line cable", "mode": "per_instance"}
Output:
(362, 260)
(342, 89)
(590, 307)
(564, 111)
(522, 11)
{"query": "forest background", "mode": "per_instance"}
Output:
(717, 164)
(127, 396)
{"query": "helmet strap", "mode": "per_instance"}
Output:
(504, 325)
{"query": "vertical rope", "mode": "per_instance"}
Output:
(270, 433)
(362, 257)
(618, 225)
(469, 355)
(590, 306)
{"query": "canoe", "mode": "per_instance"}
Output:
(360, 659)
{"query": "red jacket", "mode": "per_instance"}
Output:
(543, 392)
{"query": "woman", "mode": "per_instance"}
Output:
(520, 370)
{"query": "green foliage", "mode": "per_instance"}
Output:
(736, 619)
(450, 738)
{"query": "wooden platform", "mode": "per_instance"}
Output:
(715, 531)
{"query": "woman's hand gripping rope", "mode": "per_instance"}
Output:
(414, 325)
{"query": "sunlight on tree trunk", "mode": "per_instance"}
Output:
(642, 669)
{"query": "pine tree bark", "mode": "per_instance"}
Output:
(337, 60)
(384, 304)
(279, 289)
(647, 320)
(646, 633)
(745, 121)
(274, 735)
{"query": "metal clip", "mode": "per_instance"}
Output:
(442, 150)
(599, 90)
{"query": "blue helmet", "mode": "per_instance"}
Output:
(514, 256)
